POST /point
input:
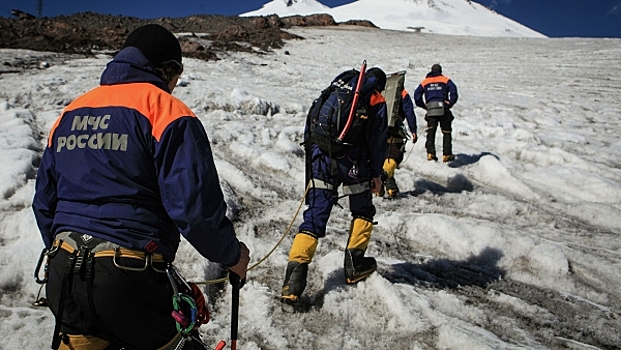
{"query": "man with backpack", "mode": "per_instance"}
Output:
(127, 170)
(400, 109)
(340, 156)
(437, 94)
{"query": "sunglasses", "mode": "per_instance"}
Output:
(173, 65)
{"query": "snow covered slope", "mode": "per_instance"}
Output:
(516, 245)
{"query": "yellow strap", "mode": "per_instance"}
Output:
(83, 342)
(128, 253)
(89, 342)
(172, 344)
(110, 253)
(64, 246)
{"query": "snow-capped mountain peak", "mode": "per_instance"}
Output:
(285, 8)
(451, 17)
(294, 2)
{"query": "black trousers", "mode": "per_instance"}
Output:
(445, 125)
(396, 150)
(128, 308)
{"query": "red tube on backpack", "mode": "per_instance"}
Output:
(354, 103)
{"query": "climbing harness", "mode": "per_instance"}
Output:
(188, 312)
(189, 306)
(348, 190)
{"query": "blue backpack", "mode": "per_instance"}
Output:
(328, 115)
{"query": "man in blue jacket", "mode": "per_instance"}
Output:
(127, 170)
(437, 94)
(359, 172)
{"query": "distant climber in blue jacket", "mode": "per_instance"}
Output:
(437, 94)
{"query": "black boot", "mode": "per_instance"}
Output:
(383, 178)
(357, 266)
(295, 281)
(391, 187)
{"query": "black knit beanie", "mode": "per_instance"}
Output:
(436, 68)
(381, 77)
(156, 43)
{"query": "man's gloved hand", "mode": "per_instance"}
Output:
(238, 272)
(376, 185)
(414, 137)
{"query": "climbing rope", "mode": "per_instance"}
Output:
(224, 279)
(410, 152)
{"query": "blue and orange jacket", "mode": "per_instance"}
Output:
(436, 88)
(129, 163)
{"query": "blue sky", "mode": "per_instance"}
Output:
(554, 18)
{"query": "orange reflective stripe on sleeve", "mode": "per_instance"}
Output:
(404, 93)
(155, 104)
(376, 98)
(438, 79)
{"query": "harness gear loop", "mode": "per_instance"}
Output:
(117, 253)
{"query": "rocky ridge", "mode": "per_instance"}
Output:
(201, 36)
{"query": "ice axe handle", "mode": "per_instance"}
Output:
(236, 283)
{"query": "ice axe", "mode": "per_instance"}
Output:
(236, 283)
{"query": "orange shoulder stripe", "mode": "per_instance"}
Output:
(376, 98)
(404, 93)
(438, 79)
(49, 138)
(158, 106)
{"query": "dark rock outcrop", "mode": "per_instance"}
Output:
(201, 36)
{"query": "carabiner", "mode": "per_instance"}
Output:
(186, 327)
(44, 254)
